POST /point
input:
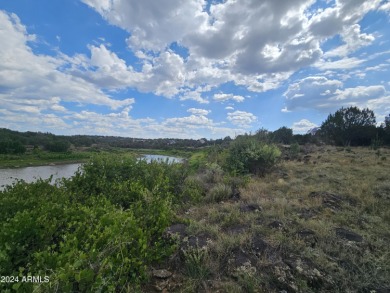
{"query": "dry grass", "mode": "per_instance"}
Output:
(333, 188)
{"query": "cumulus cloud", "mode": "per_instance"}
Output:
(225, 97)
(333, 20)
(344, 63)
(326, 95)
(385, 7)
(353, 39)
(39, 77)
(255, 45)
(359, 93)
(241, 118)
(163, 75)
(149, 22)
(311, 92)
(200, 112)
(302, 126)
(195, 95)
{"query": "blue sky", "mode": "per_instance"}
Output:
(189, 68)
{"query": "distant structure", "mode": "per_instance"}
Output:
(313, 131)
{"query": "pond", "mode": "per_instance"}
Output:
(31, 174)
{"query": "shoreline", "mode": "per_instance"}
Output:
(42, 164)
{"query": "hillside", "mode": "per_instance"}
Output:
(247, 218)
(315, 224)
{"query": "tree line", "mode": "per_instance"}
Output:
(346, 127)
(15, 142)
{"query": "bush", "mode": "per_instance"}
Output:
(219, 192)
(294, 150)
(57, 146)
(95, 233)
(193, 189)
(248, 155)
(11, 147)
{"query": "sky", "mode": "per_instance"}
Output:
(189, 68)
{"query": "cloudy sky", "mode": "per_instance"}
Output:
(189, 68)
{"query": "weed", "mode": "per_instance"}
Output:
(196, 266)
(219, 192)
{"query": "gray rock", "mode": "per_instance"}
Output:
(276, 225)
(348, 235)
(176, 229)
(162, 274)
(253, 207)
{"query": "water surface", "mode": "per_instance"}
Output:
(31, 174)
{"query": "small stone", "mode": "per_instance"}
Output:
(259, 246)
(250, 208)
(348, 235)
(177, 229)
(306, 233)
(317, 273)
(162, 274)
(276, 225)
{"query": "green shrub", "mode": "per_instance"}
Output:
(195, 263)
(57, 146)
(193, 189)
(95, 233)
(294, 150)
(248, 155)
(219, 192)
(11, 147)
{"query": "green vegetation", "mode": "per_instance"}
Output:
(38, 158)
(316, 223)
(8, 146)
(243, 215)
(247, 154)
(350, 126)
(90, 233)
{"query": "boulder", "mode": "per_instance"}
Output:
(348, 235)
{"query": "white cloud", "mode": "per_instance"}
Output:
(385, 7)
(353, 39)
(225, 97)
(195, 95)
(39, 77)
(256, 46)
(241, 118)
(332, 20)
(328, 95)
(303, 126)
(358, 93)
(200, 112)
(344, 63)
(162, 75)
(189, 121)
(311, 92)
(150, 23)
